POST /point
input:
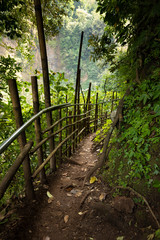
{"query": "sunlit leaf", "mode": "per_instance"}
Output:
(120, 238)
(49, 194)
(150, 237)
(93, 179)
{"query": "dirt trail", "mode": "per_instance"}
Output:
(68, 215)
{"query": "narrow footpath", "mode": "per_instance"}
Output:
(65, 210)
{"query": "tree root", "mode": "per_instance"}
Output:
(142, 197)
(84, 198)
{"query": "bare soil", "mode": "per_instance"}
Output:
(76, 211)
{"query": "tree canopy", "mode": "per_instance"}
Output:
(135, 25)
(17, 16)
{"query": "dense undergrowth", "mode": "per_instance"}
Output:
(134, 157)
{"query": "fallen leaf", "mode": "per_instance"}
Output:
(46, 238)
(78, 194)
(102, 197)
(82, 213)
(69, 195)
(120, 238)
(51, 198)
(49, 194)
(151, 236)
(64, 174)
(93, 179)
(66, 218)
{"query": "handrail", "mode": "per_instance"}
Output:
(62, 119)
(53, 134)
(71, 137)
(8, 141)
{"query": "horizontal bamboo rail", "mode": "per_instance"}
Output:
(64, 118)
(55, 133)
(13, 169)
(7, 142)
(51, 154)
(80, 124)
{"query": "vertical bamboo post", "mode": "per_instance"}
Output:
(88, 107)
(70, 131)
(66, 124)
(96, 113)
(60, 135)
(73, 129)
(37, 125)
(84, 121)
(44, 61)
(78, 107)
(29, 191)
(77, 88)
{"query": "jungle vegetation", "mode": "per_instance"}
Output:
(135, 27)
(126, 44)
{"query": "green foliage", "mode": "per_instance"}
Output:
(60, 87)
(157, 234)
(13, 17)
(18, 17)
(134, 158)
(8, 70)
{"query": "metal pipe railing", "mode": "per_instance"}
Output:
(8, 141)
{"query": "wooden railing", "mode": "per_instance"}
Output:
(74, 122)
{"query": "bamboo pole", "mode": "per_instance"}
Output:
(66, 123)
(70, 131)
(88, 105)
(96, 113)
(13, 169)
(60, 135)
(77, 88)
(82, 130)
(29, 191)
(44, 61)
(37, 126)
